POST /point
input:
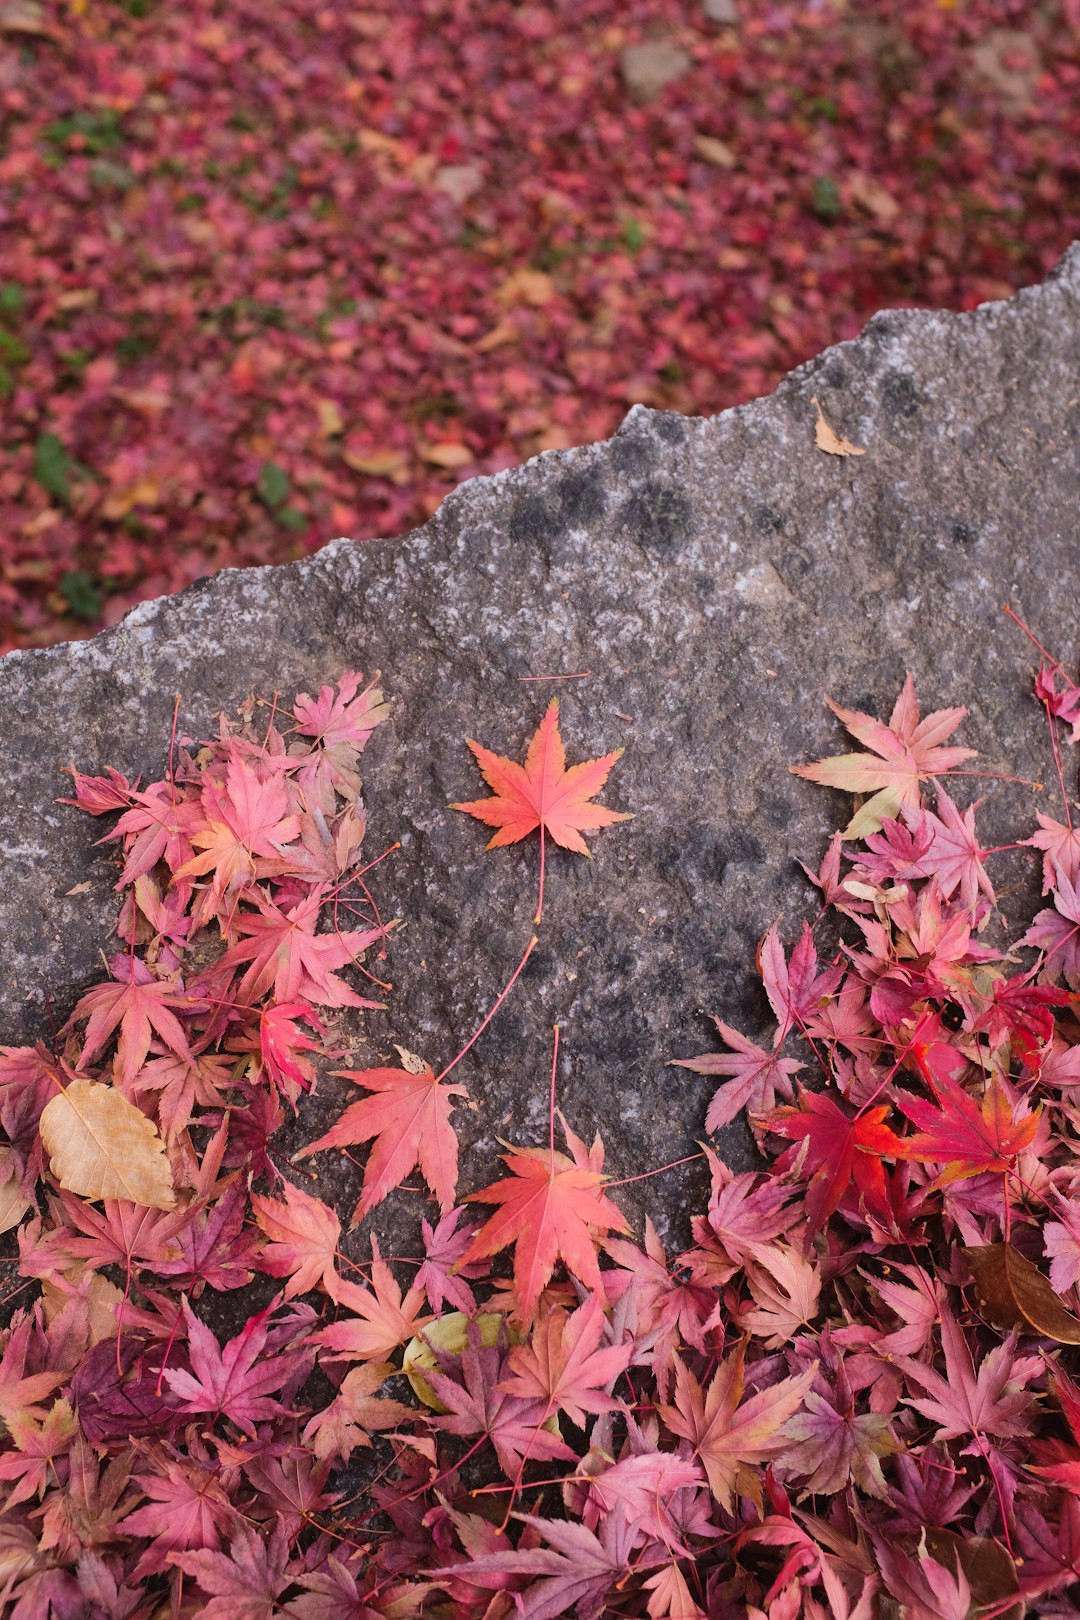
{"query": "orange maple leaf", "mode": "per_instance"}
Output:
(542, 792)
(728, 1436)
(552, 1207)
(964, 1133)
(409, 1119)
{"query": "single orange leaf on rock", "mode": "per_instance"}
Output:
(408, 1117)
(543, 792)
(552, 1208)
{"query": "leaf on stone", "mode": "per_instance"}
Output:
(1014, 1293)
(543, 792)
(101, 1146)
(826, 437)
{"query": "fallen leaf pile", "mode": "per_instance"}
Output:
(851, 1395)
(272, 275)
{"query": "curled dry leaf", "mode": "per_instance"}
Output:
(101, 1146)
(826, 438)
(1014, 1293)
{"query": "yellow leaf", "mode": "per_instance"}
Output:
(331, 422)
(448, 454)
(101, 1146)
(527, 286)
(714, 151)
(827, 439)
(375, 463)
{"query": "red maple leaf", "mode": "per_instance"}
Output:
(542, 793)
(479, 1402)
(552, 1206)
(408, 1116)
(381, 1319)
(990, 1401)
(966, 1134)
(903, 754)
(187, 1508)
(839, 1149)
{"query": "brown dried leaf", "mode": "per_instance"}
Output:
(990, 1571)
(826, 438)
(101, 1146)
(13, 1201)
(1014, 1293)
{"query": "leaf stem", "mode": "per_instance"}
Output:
(504, 992)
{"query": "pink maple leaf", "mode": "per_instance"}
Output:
(231, 1381)
(287, 954)
(140, 1006)
(564, 1365)
(757, 1075)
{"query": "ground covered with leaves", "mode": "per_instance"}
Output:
(275, 274)
(850, 1396)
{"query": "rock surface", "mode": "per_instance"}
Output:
(716, 578)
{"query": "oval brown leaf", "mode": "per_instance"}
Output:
(1014, 1293)
(990, 1571)
(101, 1146)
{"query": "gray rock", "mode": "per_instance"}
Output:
(648, 68)
(717, 578)
(721, 11)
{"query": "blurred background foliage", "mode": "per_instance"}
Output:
(272, 273)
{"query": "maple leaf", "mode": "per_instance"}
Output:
(903, 754)
(141, 1006)
(786, 1286)
(355, 1413)
(563, 1364)
(408, 1116)
(574, 1573)
(729, 1437)
(37, 1445)
(542, 792)
(216, 1246)
(245, 1584)
(247, 824)
(796, 989)
(20, 1392)
(126, 1232)
(157, 827)
(381, 1319)
(304, 1236)
(442, 1275)
(230, 1380)
(552, 1207)
(992, 1401)
(757, 1076)
(480, 1403)
(834, 1444)
(1060, 845)
(286, 953)
(1057, 932)
(187, 1509)
(954, 855)
(838, 1149)
(964, 1134)
(281, 1040)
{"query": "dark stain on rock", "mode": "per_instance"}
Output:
(573, 501)
(964, 534)
(657, 516)
(900, 395)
